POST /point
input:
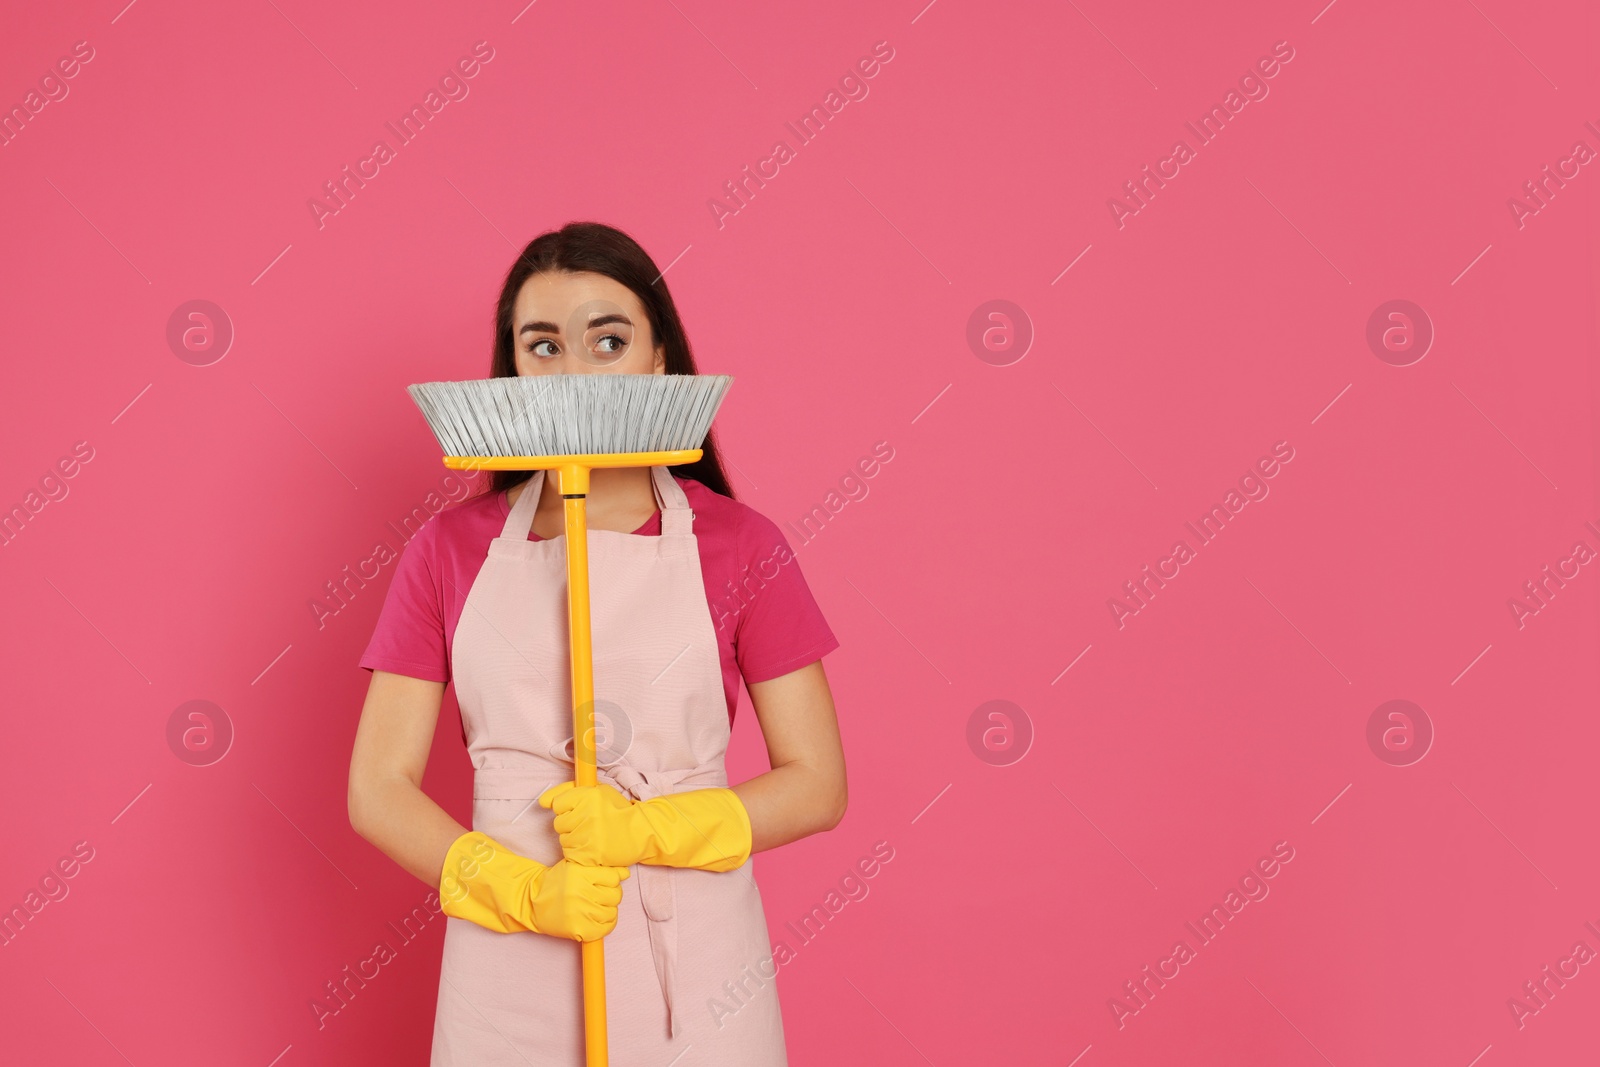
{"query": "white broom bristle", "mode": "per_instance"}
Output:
(571, 414)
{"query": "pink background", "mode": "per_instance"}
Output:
(1228, 314)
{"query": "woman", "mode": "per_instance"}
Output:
(690, 591)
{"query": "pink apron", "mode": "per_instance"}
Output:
(690, 978)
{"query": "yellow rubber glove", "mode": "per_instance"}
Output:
(487, 883)
(708, 829)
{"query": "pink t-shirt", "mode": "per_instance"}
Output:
(766, 621)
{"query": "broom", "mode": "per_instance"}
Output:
(573, 423)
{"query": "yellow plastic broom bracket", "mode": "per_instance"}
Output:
(590, 461)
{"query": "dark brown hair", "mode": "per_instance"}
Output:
(601, 249)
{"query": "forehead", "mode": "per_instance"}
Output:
(554, 296)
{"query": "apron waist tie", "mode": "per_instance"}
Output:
(657, 884)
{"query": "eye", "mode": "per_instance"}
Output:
(538, 348)
(611, 343)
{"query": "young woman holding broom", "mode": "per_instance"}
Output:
(690, 591)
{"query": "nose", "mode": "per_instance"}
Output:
(575, 363)
(576, 359)
(571, 361)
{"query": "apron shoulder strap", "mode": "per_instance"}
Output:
(520, 522)
(677, 518)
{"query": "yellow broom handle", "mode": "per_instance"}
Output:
(574, 484)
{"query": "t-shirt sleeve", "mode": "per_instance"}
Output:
(409, 636)
(780, 627)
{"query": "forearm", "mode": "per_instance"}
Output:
(405, 824)
(791, 802)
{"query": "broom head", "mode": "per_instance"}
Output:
(533, 421)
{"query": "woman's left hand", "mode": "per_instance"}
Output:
(707, 829)
(596, 824)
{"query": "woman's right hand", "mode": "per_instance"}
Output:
(486, 883)
(576, 901)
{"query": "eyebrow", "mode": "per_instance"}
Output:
(550, 327)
